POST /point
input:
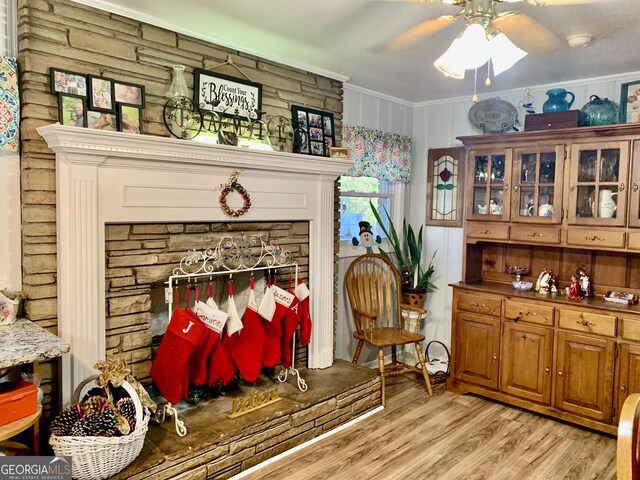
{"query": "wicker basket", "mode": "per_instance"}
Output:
(96, 458)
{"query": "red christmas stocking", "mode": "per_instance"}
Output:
(198, 361)
(290, 324)
(273, 327)
(302, 293)
(230, 338)
(217, 360)
(248, 351)
(170, 368)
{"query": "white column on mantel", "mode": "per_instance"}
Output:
(113, 177)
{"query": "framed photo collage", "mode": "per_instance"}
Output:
(96, 102)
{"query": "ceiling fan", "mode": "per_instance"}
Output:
(486, 35)
(526, 31)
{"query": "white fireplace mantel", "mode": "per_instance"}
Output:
(112, 177)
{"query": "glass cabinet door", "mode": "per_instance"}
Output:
(598, 192)
(537, 185)
(634, 200)
(489, 196)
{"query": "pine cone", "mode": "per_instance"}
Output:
(94, 392)
(127, 408)
(103, 426)
(79, 429)
(95, 405)
(65, 420)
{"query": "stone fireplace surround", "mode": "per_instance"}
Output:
(111, 177)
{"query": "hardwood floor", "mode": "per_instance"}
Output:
(450, 437)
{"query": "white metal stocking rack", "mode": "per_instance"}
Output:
(232, 254)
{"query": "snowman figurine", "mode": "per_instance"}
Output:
(366, 237)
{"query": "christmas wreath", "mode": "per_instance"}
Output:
(230, 186)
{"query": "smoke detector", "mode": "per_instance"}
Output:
(579, 40)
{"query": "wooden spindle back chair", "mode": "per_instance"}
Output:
(628, 448)
(373, 288)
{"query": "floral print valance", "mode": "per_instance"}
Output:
(9, 104)
(386, 156)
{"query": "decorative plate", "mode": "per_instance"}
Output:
(493, 115)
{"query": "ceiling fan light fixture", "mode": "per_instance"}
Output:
(450, 62)
(504, 54)
(473, 46)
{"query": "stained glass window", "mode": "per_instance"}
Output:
(445, 187)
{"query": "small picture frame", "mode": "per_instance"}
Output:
(101, 97)
(101, 121)
(314, 132)
(339, 152)
(129, 93)
(630, 102)
(129, 119)
(72, 110)
(63, 81)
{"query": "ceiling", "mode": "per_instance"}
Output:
(347, 38)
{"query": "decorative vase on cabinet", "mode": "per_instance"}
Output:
(557, 101)
(607, 204)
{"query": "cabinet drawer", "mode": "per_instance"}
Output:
(532, 233)
(631, 329)
(490, 231)
(528, 312)
(595, 238)
(634, 241)
(587, 322)
(479, 304)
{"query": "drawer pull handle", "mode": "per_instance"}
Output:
(534, 234)
(476, 304)
(585, 323)
(594, 238)
(623, 388)
(547, 370)
(486, 232)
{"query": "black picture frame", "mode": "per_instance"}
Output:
(129, 118)
(99, 120)
(314, 131)
(101, 99)
(630, 102)
(128, 93)
(66, 82)
(226, 95)
(68, 113)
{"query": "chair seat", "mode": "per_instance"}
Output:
(388, 336)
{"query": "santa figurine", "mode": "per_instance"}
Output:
(574, 289)
(366, 237)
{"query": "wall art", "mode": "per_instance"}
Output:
(226, 95)
(313, 131)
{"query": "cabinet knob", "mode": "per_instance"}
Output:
(623, 388)
(635, 186)
(495, 357)
(621, 187)
(547, 370)
(560, 373)
(516, 188)
(506, 187)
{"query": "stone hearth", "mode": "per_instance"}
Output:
(217, 447)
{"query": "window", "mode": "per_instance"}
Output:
(355, 194)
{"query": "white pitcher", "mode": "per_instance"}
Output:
(607, 204)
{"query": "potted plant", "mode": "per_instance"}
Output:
(407, 258)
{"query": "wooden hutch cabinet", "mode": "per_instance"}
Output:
(550, 199)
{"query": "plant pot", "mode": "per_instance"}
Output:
(414, 296)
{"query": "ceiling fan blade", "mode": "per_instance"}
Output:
(420, 31)
(527, 33)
